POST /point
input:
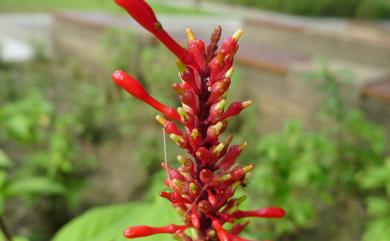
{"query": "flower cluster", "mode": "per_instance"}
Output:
(202, 189)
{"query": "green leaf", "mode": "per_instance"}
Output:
(33, 185)
(19, 127)
(4, 160)
(377, 206)
(14, 238)
(108, 223)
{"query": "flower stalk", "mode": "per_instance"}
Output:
(203, 188)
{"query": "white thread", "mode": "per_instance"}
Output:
(196, 199)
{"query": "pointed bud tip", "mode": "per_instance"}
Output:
(161, 120)
(190, 34)
(248, 168)
(221, 104)
(247, 104)
(230, 73)
(117, 76)
(219, 148)
(243, 145)
(182, 112)
(237, 35)
(195, 133)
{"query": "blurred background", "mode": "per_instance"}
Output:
(80, 160)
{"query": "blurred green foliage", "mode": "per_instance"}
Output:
(323, 176)
(343, 8)
(100, 5)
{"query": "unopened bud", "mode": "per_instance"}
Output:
(246, 104)
(193, 188)
(177, 139)
(243, 146)
(229, 73)
(182, 113)
(161, 120)
(178, 185)
(237, 35)
(218, 127)
(218, 149)
(221, 105)
(195, 133)
(190, 34)
(206, 176)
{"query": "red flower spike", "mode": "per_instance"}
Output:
(135, 88)
(204, 185)
(144, 15)
(271, 212)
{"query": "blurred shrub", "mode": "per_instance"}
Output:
(343, 8)
(324, 176)
(374, 9)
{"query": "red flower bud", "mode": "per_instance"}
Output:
(181, 88)
(235, 108)
(230, 45)
(174, 197)
(231, 156)
(204, 155)
(216, 110)
(218, 89)
(214, 131)
(191, 100)
(196, 48)
(135, 88)
(217, 65)
(169, 126)
(206, 176)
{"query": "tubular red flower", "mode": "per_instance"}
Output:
(235, 108)
(143, 231)
(135, 88)
(145, 16)
(271, 212)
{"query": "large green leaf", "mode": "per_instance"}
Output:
(33, 185)
(108, 223)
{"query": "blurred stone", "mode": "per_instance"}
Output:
(13, 50)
